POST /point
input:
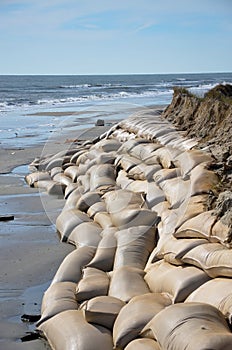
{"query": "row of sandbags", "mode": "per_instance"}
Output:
(146, 243)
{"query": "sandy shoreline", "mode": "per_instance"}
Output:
(30, 251)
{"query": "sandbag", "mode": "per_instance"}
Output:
(127, 282)
(190, 159)
(77, 154)
(204, 323)
(96, 208)
(52, 187)
(216, 292)
(108, 145)
(202, 180)
(177, 281)
(70, 270)
(213, 258)
(127, 146)
(199, 226)
(72, 172)
(166, 174)
(88, 199)
(59, 161)
(176, 190)
(101, 175)
(135, 315)
(143, 171)
(84, 180)
(68, 220)
(102, 310)
(121, 199)
(105, 253)
(165, 156)
(103, 219)
(62, 179)
(221, 233)
(55, 171)
(142, 151)
(172, 250)
(70, 331)
(126, 162)
(143, 344)
(94, 283)
(69, 189)
(122, 179)
(134, 245)
(74, 195)
(138, 186)
(154, 195)
(134, 217)
(37, 176)
(58, 297)
(85, 234)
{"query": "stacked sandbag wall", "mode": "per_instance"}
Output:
(152, 260)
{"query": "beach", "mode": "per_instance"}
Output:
(30, 248)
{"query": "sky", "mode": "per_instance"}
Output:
(115, 36)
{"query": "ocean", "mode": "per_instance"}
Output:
(31, 107)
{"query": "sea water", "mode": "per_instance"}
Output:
(31, 106)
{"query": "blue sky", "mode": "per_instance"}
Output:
(115, 36)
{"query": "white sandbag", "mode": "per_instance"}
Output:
(126, 162)
(55, 171)
(199, 226)
(105, 253)
(70, 270)
(52, 187)
(77, 154)
(134, 245)
(190, 159)
(142, 151)
(135, 315)
(221, 233)
(202, 180)
(60, 161)
(37, 176)
(143, 171)
(69, 189)
(191, 207)
(143, 344)
(121, 199)
(73, 197)
(88, 199)
(205, 325)
(70, 331)
(177, 281)
(213, 258)
(216, 292)
(72, 172)
(134, 217)
(57, 298)
(165, 156)
(166, 174)
(68, 220)
(130, 144)
(62, 179)
(172, 250)
(101, 175)
(102, 310)
(138, 186)
(108, 145)
(96, 208)
(176, 190)
(94, 283)
(127, 282)
(85, 234)
(103, 219)
(84, 180)
(122, 180)
(154, 195)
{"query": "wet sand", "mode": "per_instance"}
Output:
(30, 251)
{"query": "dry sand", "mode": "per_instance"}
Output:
(30, 251)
